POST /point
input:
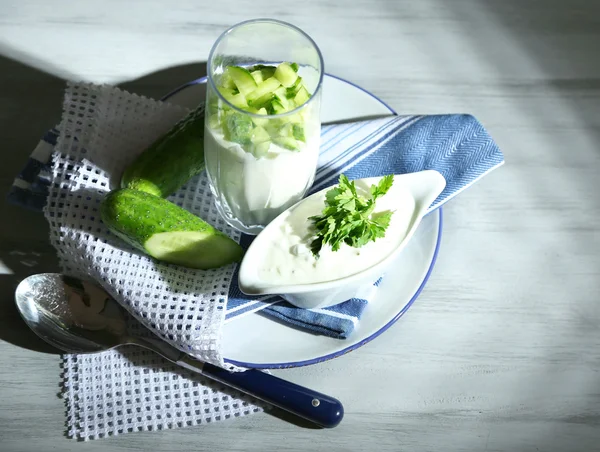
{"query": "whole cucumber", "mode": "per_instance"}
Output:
(171, 160)
(165, 231)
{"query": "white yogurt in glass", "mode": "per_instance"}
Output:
(253, 191)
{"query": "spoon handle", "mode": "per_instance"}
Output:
(313, 406)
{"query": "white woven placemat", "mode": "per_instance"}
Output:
(102, 130)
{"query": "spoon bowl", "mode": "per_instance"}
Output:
(53, 306)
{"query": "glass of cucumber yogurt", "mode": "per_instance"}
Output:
(262, 126)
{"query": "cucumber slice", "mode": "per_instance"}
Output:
(242, 78)
(302, 96)
(165, 231)
(298, 132)
(257, 76)
(266, 87)
(285, 74)
(295, 67)
(287, 143)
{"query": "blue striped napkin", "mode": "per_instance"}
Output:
(457, 146)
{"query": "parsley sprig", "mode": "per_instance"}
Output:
(348, 217)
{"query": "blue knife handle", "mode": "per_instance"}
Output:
(311, 405)
(306, 403)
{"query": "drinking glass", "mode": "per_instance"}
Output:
(260, 162)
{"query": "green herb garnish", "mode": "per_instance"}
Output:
(348, 217)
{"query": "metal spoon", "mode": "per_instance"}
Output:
(77, 316)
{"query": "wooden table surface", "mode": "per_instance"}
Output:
(502, 350)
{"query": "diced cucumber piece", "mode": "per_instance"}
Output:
(296, 119)
(213, 122)
(277, 107)
(285, 74)
(286, 130)
(237, 100)
(262, 101)
(287, 143)
(259, 134)
(280, 92)
(238, 128)
(267, 71)
(298, 132)
(257, 76)
(261, 121)
(291, 92)
(226, 81)
(242, 78)
(280, 95)
(294, 66)
(302, 96)
(261, 149)
(266, 87)
(261, 141)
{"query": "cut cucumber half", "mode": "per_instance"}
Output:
(192, 249)
(286, 74)
(242, 78)
(165, 231)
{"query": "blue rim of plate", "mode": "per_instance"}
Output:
(394, 319)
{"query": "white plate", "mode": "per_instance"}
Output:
(260, 342)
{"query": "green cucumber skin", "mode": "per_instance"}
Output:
(170, 161)
(134, 216)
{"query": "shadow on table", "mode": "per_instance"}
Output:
(31, 103)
